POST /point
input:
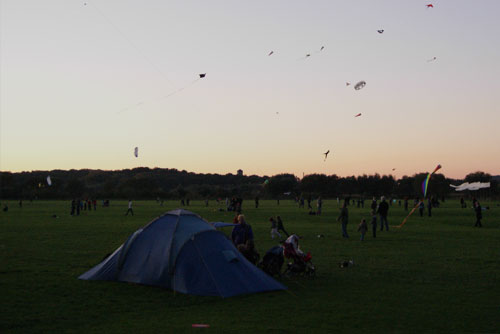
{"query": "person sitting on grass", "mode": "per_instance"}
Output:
(242, 237)
(292, 251)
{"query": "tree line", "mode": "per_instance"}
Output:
(146, 183)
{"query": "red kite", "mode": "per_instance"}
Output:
(430, 6)
(358, 115)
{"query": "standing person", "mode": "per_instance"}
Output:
(309, 202)
(421, 208)
(129, 208)
(429, 207)
(383, 209)
(462, 202)
(73, 205)
(374, 223)
(406, 204)
(319, 204)
(274, 228)
(343, 218)
(373, 206)
(479, 214)
(95, 204)
(280, 226)
(257, 202)
(362, 228)
(78, 206)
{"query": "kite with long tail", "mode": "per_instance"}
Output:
(425, 184)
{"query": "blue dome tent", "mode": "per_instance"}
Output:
(183, 252)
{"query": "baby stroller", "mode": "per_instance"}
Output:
(272, 261)
(300, 264)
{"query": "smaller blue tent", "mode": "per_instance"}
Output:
(183, 252)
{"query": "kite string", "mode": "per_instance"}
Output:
(411, 212)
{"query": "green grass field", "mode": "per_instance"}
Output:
(437, 274)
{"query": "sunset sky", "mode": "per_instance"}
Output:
(84, 82)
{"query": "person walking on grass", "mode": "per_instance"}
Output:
(280, 226)
(344, 218)
(129, 208)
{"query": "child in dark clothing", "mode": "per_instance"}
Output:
(362, 228)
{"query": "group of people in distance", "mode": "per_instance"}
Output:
(382, 209)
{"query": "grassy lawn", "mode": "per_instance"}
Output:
(436, 274)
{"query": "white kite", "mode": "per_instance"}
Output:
(49, 181)
(136, 152)
(471, 186)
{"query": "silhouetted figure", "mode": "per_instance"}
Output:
(479, 214)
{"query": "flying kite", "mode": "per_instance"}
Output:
(381, 31)
(471, 186)
(49, 181)
(432, 59)
(393, 169)
(136, 152)
(425, 183)
(360, 85)
(308, 55)
(326, 154)
(347, 84)
(270, 53)
(424, 190)
(357, 115)
(430, 6)
(321, 48)
(202, 75)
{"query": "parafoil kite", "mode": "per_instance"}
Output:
(136, 152)
(471, 186)
(360, 85)
(381, 31)
(430, 6)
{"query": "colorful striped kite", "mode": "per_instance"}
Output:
(424, 190)
(425, 184)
